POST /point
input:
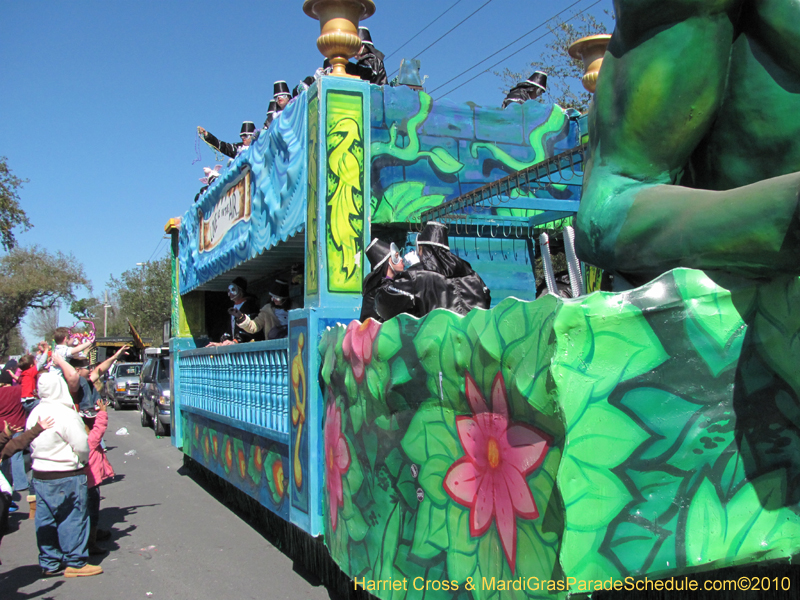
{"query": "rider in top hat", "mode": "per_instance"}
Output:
(530, 89)
(386, 263)
(469, 290)
(281, 94)
(226, 148)
(369, 61)
(271, 112)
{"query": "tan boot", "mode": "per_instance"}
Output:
(86, 570)
(32, 502)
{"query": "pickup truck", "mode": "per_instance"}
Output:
(122, 386)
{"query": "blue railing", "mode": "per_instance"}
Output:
(248, 383)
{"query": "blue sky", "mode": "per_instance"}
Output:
(100, 100)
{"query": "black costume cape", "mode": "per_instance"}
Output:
(373, 282)
(467, 289)
(225, 148)
(369, 68)
(414, 291)
(521, 93)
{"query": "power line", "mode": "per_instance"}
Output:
(540, 25)
(464, 20)
(161, 241)
(516, 52)
(424, 28)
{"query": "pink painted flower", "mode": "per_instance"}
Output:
(490, 478)
(357, 345)
(337, 460)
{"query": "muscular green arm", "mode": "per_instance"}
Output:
(662, 84)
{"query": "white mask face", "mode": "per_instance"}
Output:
(234, 291)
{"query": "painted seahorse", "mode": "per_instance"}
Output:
(344, 164)
(439, 158)
(299, 409)
(554, 123)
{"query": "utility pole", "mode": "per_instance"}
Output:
(105, 314)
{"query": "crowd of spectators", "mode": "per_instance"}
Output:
(49, 403)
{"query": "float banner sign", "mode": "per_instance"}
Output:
(234, 205)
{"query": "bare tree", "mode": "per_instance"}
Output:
(563, 72)
(44, 322)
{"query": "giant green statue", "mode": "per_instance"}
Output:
(695, 135)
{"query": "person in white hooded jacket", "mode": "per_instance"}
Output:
(59, 456)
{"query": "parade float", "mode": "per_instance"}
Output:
(538, 449)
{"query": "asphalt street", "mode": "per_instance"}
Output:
(171, 538)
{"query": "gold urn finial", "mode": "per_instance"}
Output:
(590, 50)
(338, 24)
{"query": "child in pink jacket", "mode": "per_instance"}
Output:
(98, 469)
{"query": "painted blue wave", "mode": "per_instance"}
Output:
(278, 161)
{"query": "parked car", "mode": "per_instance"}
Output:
(122, 385)
(154, 394)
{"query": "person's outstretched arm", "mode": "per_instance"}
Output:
(104, 366)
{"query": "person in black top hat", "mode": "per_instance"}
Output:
(226, 148)
(468, 289)
(530, 89)
(369, 61)
(281, 95)
(271, 111)
(386, 264)
(302, 86)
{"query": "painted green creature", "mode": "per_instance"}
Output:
(695, 135)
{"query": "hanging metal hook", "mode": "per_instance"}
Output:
(572, 169)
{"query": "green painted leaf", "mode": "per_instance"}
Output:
(592, 496)
(758, 519)
(431, 477)
(404, 200)
(356, 526)
(665, 415)
(602, 341)
(430, 534)
(709, 434)
(706, 525)
(400, 374)
(658, 488)
(534, 557)
(633, 543)
(714, 326)
(444, 162)
(580, 556)
(432, 432)
(389, 341)
(394, 462)
(356, 413)
(462, 559)
(390, 544)
(375, 383)
(603, 437)
(354, 475)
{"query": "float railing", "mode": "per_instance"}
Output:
(245, 383)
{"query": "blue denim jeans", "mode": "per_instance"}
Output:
(18, 469)
(62, 522)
